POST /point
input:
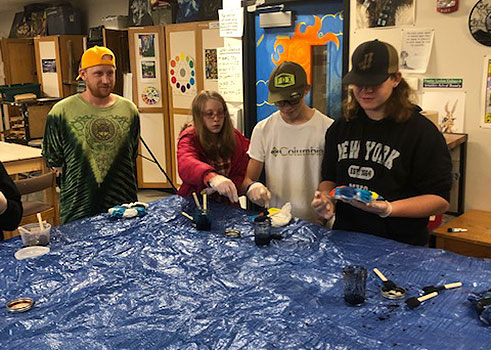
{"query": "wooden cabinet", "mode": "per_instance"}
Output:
(57, 61)
(18, 61)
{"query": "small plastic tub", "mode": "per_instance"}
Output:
(32, 235)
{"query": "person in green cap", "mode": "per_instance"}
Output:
(91, 141)
(289, 145)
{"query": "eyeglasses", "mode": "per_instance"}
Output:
(211, 114)
(292, 102)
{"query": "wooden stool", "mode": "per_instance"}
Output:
(475, 242)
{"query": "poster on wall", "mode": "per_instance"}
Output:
(150, 95)
(139, 13)
(319, 28)
(182, 74)
(383, 13)
(450, 107)
(415, 50)
(148, 70)
(486, 94)
(49, 65)
(211, 68)
(146, 45)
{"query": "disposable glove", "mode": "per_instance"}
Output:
(225, 187)
(323, 205)
(259, 194)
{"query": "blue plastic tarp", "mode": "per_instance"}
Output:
(157, 283)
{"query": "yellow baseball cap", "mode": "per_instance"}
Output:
(97, 55)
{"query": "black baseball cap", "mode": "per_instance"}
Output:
(372, 63)
(288, 80)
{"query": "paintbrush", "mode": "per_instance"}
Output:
(388, 284)
(187, 215)
(431, 289)
(415, 302)
(196, 201)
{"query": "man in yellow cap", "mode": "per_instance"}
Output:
(91, 141)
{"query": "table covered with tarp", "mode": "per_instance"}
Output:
(156, 282)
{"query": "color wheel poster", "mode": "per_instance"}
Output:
(182, 74)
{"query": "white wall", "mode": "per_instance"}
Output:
(455, 54)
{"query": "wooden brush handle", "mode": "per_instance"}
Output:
(187, 215)
(196, 200)
(379, 274)
(427, 296)
(453, 285)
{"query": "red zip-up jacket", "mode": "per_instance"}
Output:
(193, 164)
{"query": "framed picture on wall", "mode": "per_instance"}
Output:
(139, 13)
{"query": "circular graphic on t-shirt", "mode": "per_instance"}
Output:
(102, 129)
(480, 22)
(150, 95)
(182, 74)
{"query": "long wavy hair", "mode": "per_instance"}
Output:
(216, 146)
(398, 107)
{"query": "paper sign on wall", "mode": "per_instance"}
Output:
(231, 22)
(230, 73)
(415, 50)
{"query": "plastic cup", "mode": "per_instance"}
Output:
(32, 235)
(354, 278)
(262, 230)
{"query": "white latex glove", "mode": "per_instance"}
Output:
(323, 205)
(259, 194)
(380, 208)
(225, 187)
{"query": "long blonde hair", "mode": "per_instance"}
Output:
(216, 146)
(398, 107)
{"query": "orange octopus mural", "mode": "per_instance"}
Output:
(298, 47)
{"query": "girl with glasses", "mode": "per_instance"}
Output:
(211, 153)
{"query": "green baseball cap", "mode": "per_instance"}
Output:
(288, 80)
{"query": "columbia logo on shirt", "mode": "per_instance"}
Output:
(295, 152)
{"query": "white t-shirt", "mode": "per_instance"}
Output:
(292, 157)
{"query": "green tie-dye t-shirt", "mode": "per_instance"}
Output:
(96, 149)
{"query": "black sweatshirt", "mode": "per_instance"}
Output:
(396, 160)
(10, 219)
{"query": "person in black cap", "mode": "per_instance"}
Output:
(384, 144)
(289, 144)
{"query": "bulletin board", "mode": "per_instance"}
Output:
(48, 63)
(149, 67)
(192, 66)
